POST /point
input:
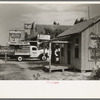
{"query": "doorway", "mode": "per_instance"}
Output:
(68, 53)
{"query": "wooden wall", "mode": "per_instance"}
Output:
(83, 62)
(86, 62)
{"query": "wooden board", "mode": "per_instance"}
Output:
(56, 68)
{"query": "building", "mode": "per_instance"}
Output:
(38, 29)
(37, 33)
(76, 52)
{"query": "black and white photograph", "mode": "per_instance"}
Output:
(49, 41)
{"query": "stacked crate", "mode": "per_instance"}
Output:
(23, 50)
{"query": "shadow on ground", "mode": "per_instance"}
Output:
(36, 68)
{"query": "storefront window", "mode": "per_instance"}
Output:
(77, 48)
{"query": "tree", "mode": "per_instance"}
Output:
(76, 21)
(95, 49)
(55, 23)
(95, 55)
(79, 21)
(53, 33)
(82, 19)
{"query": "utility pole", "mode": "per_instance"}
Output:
(88, 12)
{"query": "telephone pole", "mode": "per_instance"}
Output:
(88, 12)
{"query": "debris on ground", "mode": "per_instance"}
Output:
(95, 75)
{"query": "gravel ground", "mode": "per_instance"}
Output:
(33, 70)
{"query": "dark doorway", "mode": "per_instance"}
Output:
(68, 53)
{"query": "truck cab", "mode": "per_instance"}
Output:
(38, 53)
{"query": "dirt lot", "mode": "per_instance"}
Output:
(34, 70)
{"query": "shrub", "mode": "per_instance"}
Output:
(95, 75)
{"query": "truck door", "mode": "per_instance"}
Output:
(33, 51)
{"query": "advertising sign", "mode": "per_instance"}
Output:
(15, 34)
(44, 37)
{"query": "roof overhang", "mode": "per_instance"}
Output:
(61, 38)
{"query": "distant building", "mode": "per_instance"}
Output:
(38, 29)
(38, 32)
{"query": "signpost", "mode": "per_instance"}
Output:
(5, 56)
(49, 56)
(5, 51)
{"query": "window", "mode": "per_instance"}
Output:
(77, 41)
(34, 48)
(77, 48)
(33, 43)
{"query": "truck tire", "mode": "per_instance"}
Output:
(44, 58)
(19, 58)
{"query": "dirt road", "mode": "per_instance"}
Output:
(34, 70)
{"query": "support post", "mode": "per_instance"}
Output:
(5, 57)
(60, 55)
(50, 57)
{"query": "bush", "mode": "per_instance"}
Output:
(95, 75)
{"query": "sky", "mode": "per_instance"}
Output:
(13, 16)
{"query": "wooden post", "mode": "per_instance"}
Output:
(5, 57)
(50, 57)
(60, 55)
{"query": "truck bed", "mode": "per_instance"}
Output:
(23, 53)
(24, 50)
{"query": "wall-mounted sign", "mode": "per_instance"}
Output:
(44, 37)
(27, 26)
(13, 35)
(15, 31)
